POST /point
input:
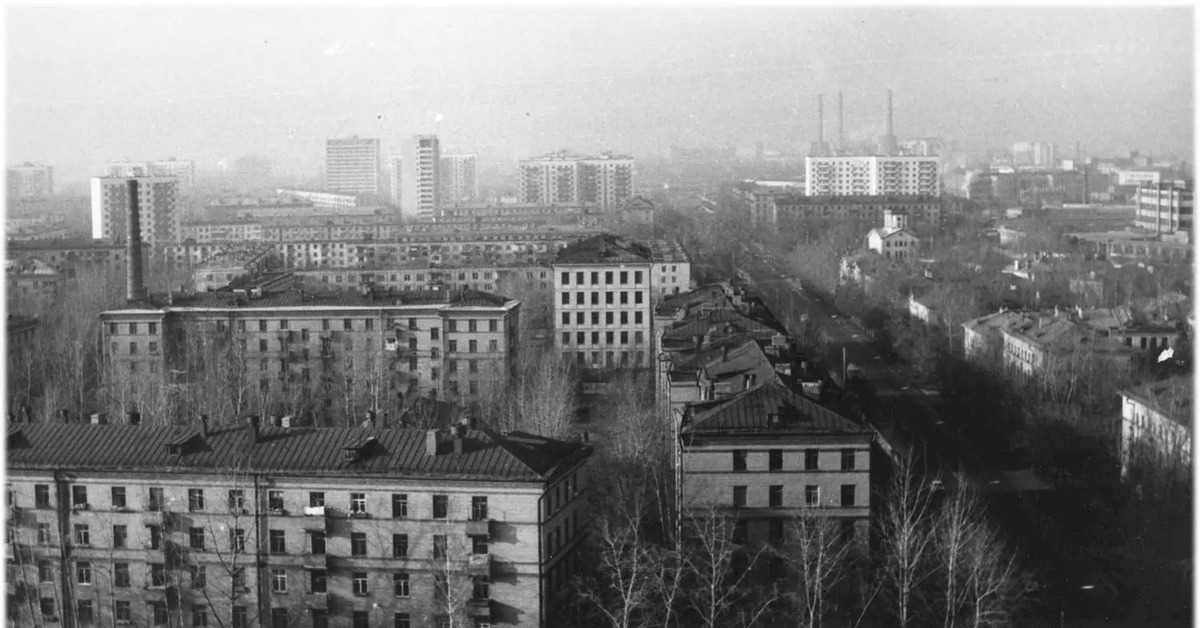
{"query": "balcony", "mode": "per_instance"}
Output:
(479, 608)
(479, 564)
(279, 511)
(315, 511)
(478, 527)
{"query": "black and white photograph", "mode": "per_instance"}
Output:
(598, 315)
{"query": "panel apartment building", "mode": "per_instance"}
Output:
(352, 165)
(458, 177)
(604, 181)
(420, 178)
(249, 525)
(158, 208)
(300, 350)
(872, 175)
(1166, 210)
(182, 169)
(30, 181)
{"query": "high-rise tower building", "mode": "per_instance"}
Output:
(605, 181)
(158, 208)
(396, 178)
(352, 165)
(420, 181)
(459, 178)
(872, 176)
(30, 181)
(182, 169)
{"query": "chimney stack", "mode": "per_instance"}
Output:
(841, 123)
(820, 125)
(134, 417)
(135, 289)
(66, 417)
(203, 426)
(431, 442)
(252, 421)
(889, 115)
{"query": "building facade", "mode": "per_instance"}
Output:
(322, 199)
(396, 179)
(872, 176)
(158, 208)
(30, 181)
(459, 177)
(1165, 209)
(1156, 426)
(342, 527)
(605, 181)
(352, 165)
(421, 184)
(182, 169)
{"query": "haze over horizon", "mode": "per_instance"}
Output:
(92, 84)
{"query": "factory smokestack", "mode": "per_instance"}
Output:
(889, 118)
(841, 123)
(820, 125)
(134, 288)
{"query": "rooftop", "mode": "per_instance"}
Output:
(391, 453)
(752, 410)
(605, 249)
(1170, 397)
(295, 298)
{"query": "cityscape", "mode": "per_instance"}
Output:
(653, 316)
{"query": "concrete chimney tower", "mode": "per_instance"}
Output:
(887, 142)
(820, 125)
(135, 288)
(890, 131)
(841, 123)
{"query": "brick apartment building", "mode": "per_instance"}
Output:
(285, 527)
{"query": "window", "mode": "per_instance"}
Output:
(83, 537)
(237, 539)
(195, 499)
(608, 277)
(123, 611)
(401, 620)
(847, 495)
(637, 320)
(493, 326)
(156, 501)
(566, 298)
(441, 504)
(480, 588)
(118, 497)
(739, 497)
(400, 584)
(360, 585)
(43, 534)
(399, 545)
(810, 459)
(79, 497)
(85, 614)
(739, 532)
(370, 323)
(775, 496)
(775, 531)
(279, 618)
(739, 460)
(155, 536)
(199, 577)
(608, 298)
(240, 617)
(47, 604)
(317, 543)
(399, 505)
(83, 573)
(133, 328)
(479, 544)
(595, 298)
(439, 546)
(358, 544)
(120, 536)
(847, 460)
(158, 575)
(479, 508)
(637, 297)
(196, 538)
(812, 495)
(637, 276)
(41, 495)
(775, 460)
(316, 581)
(358, 503)
(46, 570)
(278, 581)
(316, 499)
(278, 542)
(121, 575)
(237, 500)
(347, 325)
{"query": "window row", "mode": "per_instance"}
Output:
(610, 318)
(239, 616)
(610, 298)
(812, 496)
(610, 338)
(606, 358)
(811, 460)
(608, 276)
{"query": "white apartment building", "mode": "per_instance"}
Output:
(872, 176)
(420, 190)
(605, 181)
(395, 178)
(459, 177)
(322, 200)
(352, 165)
(1165, 209)
(182, 169)
(158, 208)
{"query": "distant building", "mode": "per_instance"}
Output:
(158, 208)
(458, 176)
(1034, 155)
(1156, 426)
(1041, 345)
(981, 336)
(396, 178)
(22, 333)
(1138, 178)
(30, 181)
(322, 199)
(224, 267)
(182, 169)
(274, 525)
(1166, 210)
(352, 165)
(30, 284)
(421, 185)
(872, 176)
(605, 181)
(894, 240)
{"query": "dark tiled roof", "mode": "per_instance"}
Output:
(751, 412)
(299, 298)
(724, 322)
(605, 249)
(299, 450)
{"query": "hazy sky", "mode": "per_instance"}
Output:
(85, 85)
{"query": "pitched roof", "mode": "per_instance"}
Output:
(751, 411)
(725, 322)
(605, 249)
(396, 453)
(298, 298)
(1170, 397)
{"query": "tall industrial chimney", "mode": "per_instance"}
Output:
(135, 289)
(841, 123)
(820, 125)
(889, 118)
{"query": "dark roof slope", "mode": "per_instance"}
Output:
(751, 412)
(300, 298)
(388, 452)
(605, 249)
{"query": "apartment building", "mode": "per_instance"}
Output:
(458, 177)
(258, 525)
(1041, 345)
(1166, 210)
(182, 169)
(605, 181)
(414, 276)
(792, 208)
(421, 184)
(1156, 426)
(872, 176)
(333, 199)
(602, 295)
(73, 257)
(30, 181)
(982, 339)
(396, 178)
(158, 208)
(303, 350)
(767, 455)
(671, 272)
(352, 165)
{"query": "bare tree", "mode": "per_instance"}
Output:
(226, 537)
(450, 565)
(541, 399)
(959, 523)
(905, 535)
(995, 586)
(817, 554)
(719, 570)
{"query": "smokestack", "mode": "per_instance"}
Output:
(252, 421)
(203, 426)
(889, 117)
(820, 124)
(841, 123)
(134, 289)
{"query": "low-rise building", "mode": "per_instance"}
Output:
(249, 525)
(981, 336)
(1156, 426)
(894, 240)
(232, 263)
(30, 284)
(1041, 345)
